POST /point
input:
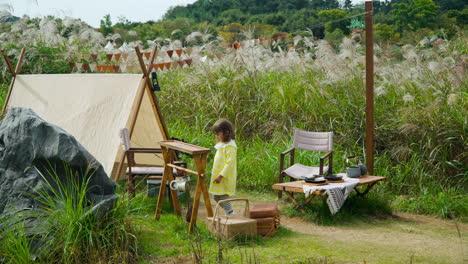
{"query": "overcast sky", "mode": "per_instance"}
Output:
(92, 11)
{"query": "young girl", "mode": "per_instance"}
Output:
(224, 173)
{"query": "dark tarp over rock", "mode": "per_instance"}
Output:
(29, 145)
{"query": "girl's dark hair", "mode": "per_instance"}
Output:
(226, 128)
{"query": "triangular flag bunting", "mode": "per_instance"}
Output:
(72, 65)
(116, 68)
(160, 66)
(109, 56)
(100, 68)
(181, 63)
(167, 65)
(125, 56)
(169, 53)
(179, 52)
(123, 67)
(109, 68)
(78, 57)
(174, 64)
(188, 50)
(92, 67)
(117, 56)
(85, 66)
(94, 56)
(86, 57)
(188, 62)
(147, 55)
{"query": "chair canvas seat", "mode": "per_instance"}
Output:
(300, 172)
(149, 171)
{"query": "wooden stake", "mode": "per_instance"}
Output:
(369, 89)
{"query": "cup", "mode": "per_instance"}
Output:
(353, 172)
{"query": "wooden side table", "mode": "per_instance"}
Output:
(199, 154)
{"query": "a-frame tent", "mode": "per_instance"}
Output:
(93, 108)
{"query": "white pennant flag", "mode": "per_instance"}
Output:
(123, 67)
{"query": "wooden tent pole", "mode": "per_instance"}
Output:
(14, 73)
(369, 89)
(154, 101)
(8, 62)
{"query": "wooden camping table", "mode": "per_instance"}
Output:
(296, 187)
(199, 154)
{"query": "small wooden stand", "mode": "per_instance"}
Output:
(199, 154)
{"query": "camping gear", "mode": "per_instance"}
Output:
(316, 180)
(363, 168)
(333, 177)
(153, 187)
(267, 226)
(93, 108)
(229, 227)
(268, 218)
(179, 184)
(309, 141)
(298, 187)
(353, 172)
(133, 170)
(199, 154)
(264, 210)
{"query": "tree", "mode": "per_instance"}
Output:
(415, 14)
(106, 25)
(348, 4)
(231, 16)
(334, 14)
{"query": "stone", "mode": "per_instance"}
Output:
(29, 148)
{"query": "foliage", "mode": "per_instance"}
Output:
(106, 25)
(385, 33)
(415, 14)
(72, 232)
(334, 14)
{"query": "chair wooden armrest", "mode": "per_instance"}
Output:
(144, 150)
(291, 152)
(328, 155)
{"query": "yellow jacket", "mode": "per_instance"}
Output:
(225, 164)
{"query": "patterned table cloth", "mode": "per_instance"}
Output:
(337, 192)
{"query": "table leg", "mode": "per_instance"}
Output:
(369, 187)
(298, 205)
(163, 184)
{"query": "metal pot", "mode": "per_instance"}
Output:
(353, 172)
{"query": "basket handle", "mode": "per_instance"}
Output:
(231, 200)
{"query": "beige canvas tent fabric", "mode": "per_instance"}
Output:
(93, 108)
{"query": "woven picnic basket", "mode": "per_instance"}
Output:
(229, 227)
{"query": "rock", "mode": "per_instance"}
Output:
(29, 147)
